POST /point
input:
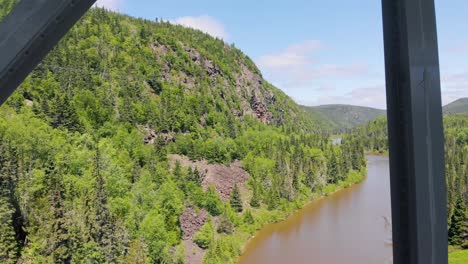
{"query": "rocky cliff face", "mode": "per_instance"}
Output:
(247, 85)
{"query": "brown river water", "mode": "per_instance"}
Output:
(351, 226)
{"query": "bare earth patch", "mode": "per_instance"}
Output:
(193, 254)
(222, 177)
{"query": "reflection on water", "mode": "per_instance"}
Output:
(351, 226)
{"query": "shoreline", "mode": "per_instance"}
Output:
(337, 188)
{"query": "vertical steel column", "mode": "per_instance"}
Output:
(416, 139)
(29, 32)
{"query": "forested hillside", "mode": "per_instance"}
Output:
(144, 142)
(373, 137)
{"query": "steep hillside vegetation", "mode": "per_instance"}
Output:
(373, 137)
(456, 107)
(342, 117)
(144, 142)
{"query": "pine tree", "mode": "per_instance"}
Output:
(177, 170)
(255, 200)
(103, 227)
(59, 237)
(213, 202)
(160, 149)
(63, 113)
(231, 126)
(458, 224)
(195, 176)
(12, 239)
(248, 217)
(356, 156)
(236, 201)
(332, 167)
(8, 245)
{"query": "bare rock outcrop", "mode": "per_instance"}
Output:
(191, 222)
(261, 111)
(222, 177)
(151, 136)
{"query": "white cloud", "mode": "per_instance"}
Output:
(113, 5)
(454, 86)
(299, 66)
(297, 55)
(206, 24)
(372, 96)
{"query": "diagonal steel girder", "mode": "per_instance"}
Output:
(29, 33)
(416, 139)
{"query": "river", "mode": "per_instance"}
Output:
(351, 226)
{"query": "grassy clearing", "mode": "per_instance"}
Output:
(459, 257)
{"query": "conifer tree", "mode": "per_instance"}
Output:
(248, 217)
(59, 237)
(13, 231)
(103, 226)
(458, 224)
(177, 170)
(213, 202)
(332, 167)
(8, 245)
(236, 201)
(255, 200)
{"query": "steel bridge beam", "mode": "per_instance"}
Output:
(416, 138)
(29, 33)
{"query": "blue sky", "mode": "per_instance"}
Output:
(318, 52)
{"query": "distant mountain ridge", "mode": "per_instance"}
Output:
(342, 117)
(457, 107)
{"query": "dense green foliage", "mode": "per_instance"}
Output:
(81, 183)
(457, 107)
(373, 135)
(205, 237)
(374, 138)
(343, 117)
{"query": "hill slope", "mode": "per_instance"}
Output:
(345, 116)
(342, 117)
(456, 107)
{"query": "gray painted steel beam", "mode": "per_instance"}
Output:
(28, 34)
(416, 139)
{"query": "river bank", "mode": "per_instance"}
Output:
(352, 224)
(213, 246)
(266, 217)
